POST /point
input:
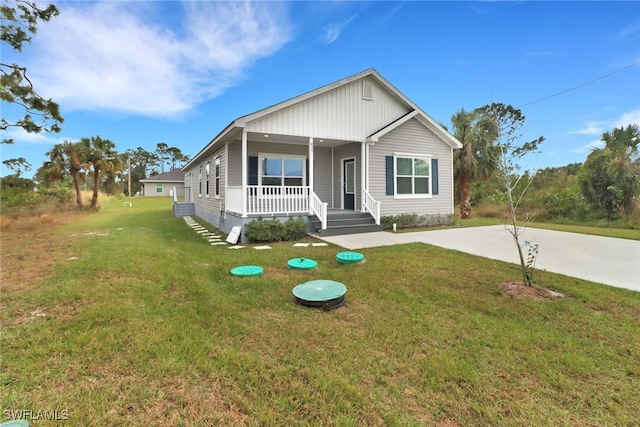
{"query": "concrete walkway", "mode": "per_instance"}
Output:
(614, 262)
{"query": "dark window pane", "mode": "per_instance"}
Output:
(293, 181)
(421, 185)
(270, 180)
(404, 185)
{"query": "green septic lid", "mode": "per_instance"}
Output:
(15, 423)
(302, 263)
(247, 270)
(319, 290)
(349, 257)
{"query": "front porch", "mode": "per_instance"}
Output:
(265, 200)
(282, 202)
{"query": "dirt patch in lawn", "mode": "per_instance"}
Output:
(31, 249)
(518, 289)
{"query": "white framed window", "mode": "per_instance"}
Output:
(282, 170)
(207, 174)
(200, 181)
(412, 176)
(158, 187)
(216, 177)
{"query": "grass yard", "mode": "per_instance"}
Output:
(128, 317)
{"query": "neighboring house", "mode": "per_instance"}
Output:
(162, 184)
(354, 146)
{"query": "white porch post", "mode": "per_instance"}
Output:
(363, 178)
(244, 173)
(310, 167)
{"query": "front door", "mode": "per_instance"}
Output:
(348, 184)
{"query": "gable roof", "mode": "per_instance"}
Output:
(176, 175)
(238, 124)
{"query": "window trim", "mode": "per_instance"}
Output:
(283, 157)
(427, 158)
(159, 186)
(216, 177)
(207, 176)
(200, 181)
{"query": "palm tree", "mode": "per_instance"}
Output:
(66, 158)
(101, 155)
(477, 159)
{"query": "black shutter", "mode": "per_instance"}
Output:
(389, 174)
(307, 183)
(253, 170)
(434, 176)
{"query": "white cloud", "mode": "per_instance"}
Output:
(630, 31)
(122, 56)
(597, 128)
(587, 148)
(590, 128)
(630, 118)
(19, 134)
(332, 31)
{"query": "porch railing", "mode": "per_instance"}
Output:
(319, 209)
(371, 206)
(181, 194)
(268, 199)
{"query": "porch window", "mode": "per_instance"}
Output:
(216, 176)
(282, 171)
(412, 176)
(207, 174)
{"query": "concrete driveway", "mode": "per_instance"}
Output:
(614, 262)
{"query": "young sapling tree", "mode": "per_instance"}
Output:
(508, 121)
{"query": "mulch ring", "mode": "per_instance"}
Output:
(518, 289)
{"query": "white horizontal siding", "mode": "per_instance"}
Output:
(338, 114)
(412, 137)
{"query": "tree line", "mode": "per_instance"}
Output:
(606, 185)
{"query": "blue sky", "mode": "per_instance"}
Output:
(143, 72)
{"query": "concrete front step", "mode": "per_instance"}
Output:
(353, 229)
(346, 222)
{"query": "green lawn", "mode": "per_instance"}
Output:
(147, 327)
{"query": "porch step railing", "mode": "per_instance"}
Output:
(319, 209)
(181, 194)
(371, 206)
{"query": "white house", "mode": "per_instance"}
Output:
(162, 184)
(356, 146)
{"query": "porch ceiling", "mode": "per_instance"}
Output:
(293, 139)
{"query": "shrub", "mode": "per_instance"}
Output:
(416, 220)
(293, 229)
(273, 230)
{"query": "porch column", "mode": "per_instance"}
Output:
(311, 163)
(244, 173)
(363, 177)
